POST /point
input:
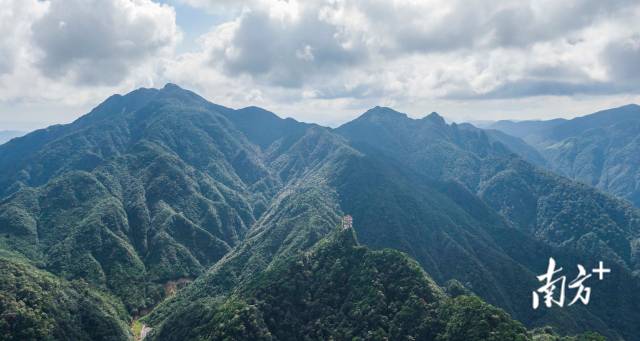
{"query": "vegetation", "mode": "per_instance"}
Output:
(467, 208)
(126, 203)
(598, 149)
(36, 305)
(160, 186)
(340, 290)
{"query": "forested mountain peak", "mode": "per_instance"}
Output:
(139, 98)
(435, 117)
(381, 113)
(387, 115)
(105, 132)
(160, 186)
(149, 187)
(263, 127)
(390, 130)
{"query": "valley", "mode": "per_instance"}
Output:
(203, 220)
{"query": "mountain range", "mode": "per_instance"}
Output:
(205, 222)
(600, 149)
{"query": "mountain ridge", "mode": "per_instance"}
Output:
(597, 149)
(183, 188)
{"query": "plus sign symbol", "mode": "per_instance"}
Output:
(600, 271)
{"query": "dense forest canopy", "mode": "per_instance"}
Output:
(205, 222)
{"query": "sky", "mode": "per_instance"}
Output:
(322, 61)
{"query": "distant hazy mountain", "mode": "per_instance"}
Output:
(601, 149)
(515, 144)
(6, 135)
(160, 187)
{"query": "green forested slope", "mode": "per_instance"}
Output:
(176, 191)
(149, 187)
(339, 290)
(36, 305)
(498, 212)
(599, 149)
(446, 227)
(300, 215)
(343, 291)
(161, 185)
(546, 206)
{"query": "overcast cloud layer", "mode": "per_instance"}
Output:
(324, 60)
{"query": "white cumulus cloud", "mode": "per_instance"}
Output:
(326, 60)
